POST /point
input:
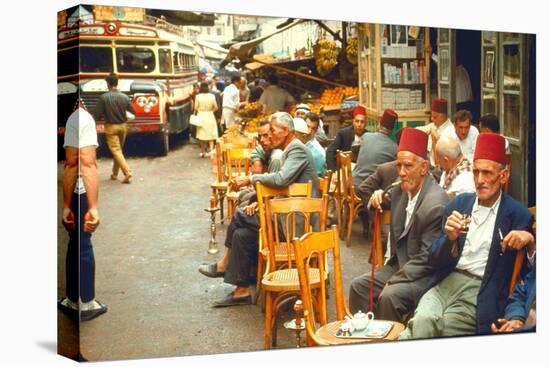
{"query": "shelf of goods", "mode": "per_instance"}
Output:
(394, 72)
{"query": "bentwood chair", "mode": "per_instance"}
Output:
(292, 217)
(350, 202)
(219, 187)
(520, 256)
(306, 248)
(236, 164)
(265, 193)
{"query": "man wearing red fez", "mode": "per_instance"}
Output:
(440, 125)
(417, 207)
(475, 253)
(376, 148)
(347, 136)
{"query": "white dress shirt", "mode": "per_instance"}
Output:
(468, 145)
(231, 97)
(479, 238)
(462, 183)
(445, 129)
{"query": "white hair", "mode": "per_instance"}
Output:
(283, 118)
(448, 147)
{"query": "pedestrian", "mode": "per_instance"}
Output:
(113, 105)
(205, 106)
(80, 216)
(231, 101)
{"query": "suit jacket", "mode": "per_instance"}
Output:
(376, 149)
(410, 246)
(343, 140)
(296, 166)
(493, 293)
(384, 175)
(523, 298)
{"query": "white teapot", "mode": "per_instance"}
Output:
(360, 320)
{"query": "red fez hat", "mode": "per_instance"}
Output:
(388, 119)
(359, 110)
(439, 105)
(491, 146)
(414, 141)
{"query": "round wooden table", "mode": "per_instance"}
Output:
(327, 333)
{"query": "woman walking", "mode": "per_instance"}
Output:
(205, 106)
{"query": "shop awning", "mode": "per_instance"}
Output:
(211, 50)
(241, 50)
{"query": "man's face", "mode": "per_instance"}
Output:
(462, 128)
(300, 114)
(489, 177)
(411, 169)
(277, 133)
(302, 137)
(438, 118)
(312, 127)
(263, 135)
(359, 123)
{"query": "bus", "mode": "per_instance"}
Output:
(157, 69)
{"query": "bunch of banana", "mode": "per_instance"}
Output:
(351, 50)
(326, 56)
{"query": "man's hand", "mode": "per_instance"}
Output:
(377, 198)
(517, 240)
(453, 225)
(506, 326)
(239, 182)
(251, 209)
(68, 219)
(91, 220)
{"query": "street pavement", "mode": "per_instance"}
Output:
(153, 235)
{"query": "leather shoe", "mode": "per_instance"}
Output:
(92, 314)
(210, 270)
(71, 313)
(229, 300)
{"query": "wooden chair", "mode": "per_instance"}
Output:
(264, 193)
(377, 246)
(324, 183)
(236, 164)
(280, 284)
(306, 248)
(219, 187)
(520, 256)
(350, 201)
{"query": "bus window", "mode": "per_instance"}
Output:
(135, 60)
(165, 61)
(96, 59)
(67, 61)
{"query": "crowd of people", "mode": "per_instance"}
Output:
(454, 231)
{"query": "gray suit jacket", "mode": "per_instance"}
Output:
(296, 166)
(384, 175)
(376, 149)
(410, 246)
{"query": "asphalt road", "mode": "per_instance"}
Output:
(153, 235)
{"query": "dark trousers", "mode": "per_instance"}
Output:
(392, 302)
(80, 275)
(242, 239)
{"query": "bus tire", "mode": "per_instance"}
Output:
(163, 143)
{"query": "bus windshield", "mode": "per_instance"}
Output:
(135, 60)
